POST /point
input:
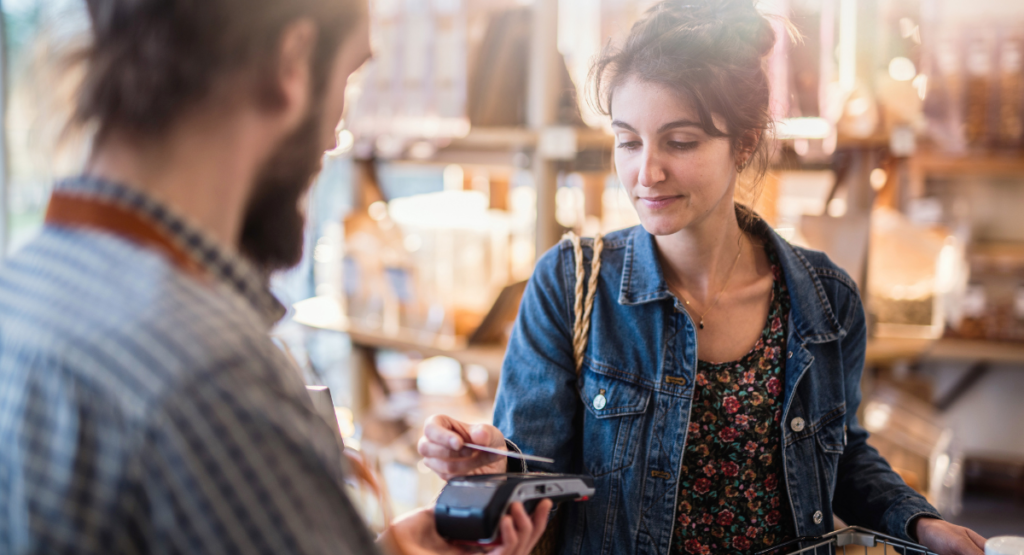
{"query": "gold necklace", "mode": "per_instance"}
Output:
(719, 296)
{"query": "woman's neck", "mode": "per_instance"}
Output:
(700, 258)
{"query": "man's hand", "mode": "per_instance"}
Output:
(945, 538)
(442, 447)
(416, 533)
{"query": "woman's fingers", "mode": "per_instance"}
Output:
(949, 539)
(977, 538)
(431, 449)
(443, 447)
(445, 431)
(447, 468)
(487, 435)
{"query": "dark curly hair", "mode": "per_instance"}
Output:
(149, 60)
(713, 52)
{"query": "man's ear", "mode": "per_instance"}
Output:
(292, 75)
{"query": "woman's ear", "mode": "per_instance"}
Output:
(746, 144)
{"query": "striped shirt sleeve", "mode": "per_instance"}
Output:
(229, 465)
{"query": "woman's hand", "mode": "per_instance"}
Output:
(945, 538)
(442, 447)
(416, 533)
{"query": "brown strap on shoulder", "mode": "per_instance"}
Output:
(84, 212)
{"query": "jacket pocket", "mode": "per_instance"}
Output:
(829, 436)
(615, 404)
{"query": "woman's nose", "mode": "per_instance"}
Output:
(651, 171)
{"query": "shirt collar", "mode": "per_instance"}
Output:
(813, 318)
(223, 265)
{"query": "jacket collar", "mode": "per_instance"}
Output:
(813, 318)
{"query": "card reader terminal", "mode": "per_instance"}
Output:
(470, 507)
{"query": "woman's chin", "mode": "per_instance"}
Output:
(660, 226)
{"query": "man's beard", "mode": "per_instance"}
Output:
(272, 233)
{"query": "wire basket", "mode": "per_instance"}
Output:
(852, 538)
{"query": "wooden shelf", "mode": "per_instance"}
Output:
(511, 138)
(889, 349)
(986, 164)
(325, 313)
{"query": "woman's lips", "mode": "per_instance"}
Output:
(655, 203)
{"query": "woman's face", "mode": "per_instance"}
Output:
(675, 173)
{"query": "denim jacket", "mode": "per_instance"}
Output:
(624, 419)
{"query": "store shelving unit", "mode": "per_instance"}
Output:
(325, 313)
(927, 164)
(514, 138)
(881, 350)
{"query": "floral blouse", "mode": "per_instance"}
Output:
(732, 489)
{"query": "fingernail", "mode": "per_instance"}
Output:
(455, 444)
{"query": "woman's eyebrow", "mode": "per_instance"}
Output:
(670, 125)
(679, 123)
(624, 125)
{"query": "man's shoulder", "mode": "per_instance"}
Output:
(120, 316)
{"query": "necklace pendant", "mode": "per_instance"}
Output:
(701, 324)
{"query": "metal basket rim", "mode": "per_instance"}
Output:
(832, 537)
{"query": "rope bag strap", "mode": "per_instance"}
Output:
(582, 308)
(584, 303)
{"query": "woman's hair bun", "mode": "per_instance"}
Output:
(740, 20)
(713, 54)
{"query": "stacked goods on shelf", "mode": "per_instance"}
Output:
(429, 267)
(978, 90)
(415, 87)
(912, 437)
(498, 82)
(993, 306)
(1011, 91)
(914, 274)
(975, 92)
(497, 95)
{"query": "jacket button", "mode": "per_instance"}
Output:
(790, 355)
(600, 401)
(818, 517)
(797, 424)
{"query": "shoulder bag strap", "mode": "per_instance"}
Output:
(584, 303)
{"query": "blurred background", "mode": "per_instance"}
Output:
(468, 147)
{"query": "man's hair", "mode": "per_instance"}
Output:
(150, 60)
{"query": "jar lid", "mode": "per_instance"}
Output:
(1005, 545)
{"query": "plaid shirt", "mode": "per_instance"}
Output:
(143, 410)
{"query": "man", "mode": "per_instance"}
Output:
(142, 407)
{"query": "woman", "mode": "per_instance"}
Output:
(716, 402)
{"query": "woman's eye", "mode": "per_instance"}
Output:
(629, 145)
(683, 146)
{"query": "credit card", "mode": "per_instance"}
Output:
(510, 454)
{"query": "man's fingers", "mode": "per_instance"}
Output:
(522, 519)
(524, 527)
(540, 519)
(509, 536)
